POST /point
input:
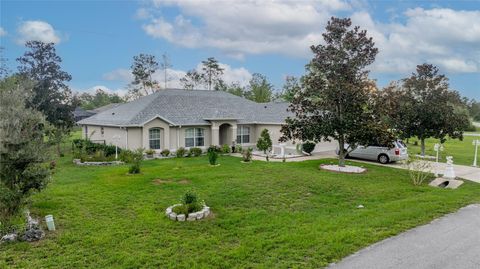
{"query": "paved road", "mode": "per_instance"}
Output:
(452, 241)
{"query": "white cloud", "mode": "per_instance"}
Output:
(121, 74)
(230, 75)
(121, 92)
(37, 31)
(445, 37)
(246, 27)
(2, 32)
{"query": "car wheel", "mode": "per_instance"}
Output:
(383, 159)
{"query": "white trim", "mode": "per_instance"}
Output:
(160, 117)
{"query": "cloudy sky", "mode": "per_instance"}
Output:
(97, 39)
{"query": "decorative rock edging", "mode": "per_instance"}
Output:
(78, 162)
(347, 169)
(205, 212)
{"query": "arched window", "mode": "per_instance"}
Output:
(154, 138)
(194, 137)
(243, 134)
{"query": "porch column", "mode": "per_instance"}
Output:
(215, 135)
(234, 134)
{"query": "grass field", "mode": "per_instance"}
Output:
(266, 215)
(462, 151)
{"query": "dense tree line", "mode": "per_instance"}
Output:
(98, 99)
(337, 100)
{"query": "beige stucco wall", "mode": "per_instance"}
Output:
(164, 133)
(172, 137)
(274, 131)
(135, 135)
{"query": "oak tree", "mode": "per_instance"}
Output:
(336, 99)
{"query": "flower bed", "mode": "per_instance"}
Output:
(205, 212)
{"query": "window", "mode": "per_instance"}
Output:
(154, 138)
(86, 132)
(194, 137)
(102, 131)
(243, 134)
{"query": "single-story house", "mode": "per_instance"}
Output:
(173, 118)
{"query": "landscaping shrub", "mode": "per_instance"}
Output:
(180, 152)
(137, 158)
(150, 152)
(225, 149)
(190, 203)
(264, 142)
(308, 147)
(165, 153)
(134, 168)
(247, 154)
(212, 155)
(85, 146)
(238, 149)
(126, 156)
(195, 152)
(418, 170)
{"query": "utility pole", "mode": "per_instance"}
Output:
(165, 65)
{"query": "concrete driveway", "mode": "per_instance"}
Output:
(452, 241)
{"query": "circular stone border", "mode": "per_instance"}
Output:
(349, 169)
(205, 212)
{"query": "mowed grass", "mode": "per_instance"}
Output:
(463, 152)
(266, 215)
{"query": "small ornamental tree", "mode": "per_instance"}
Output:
(24, 152)
(336, 99)
(423, 106)
(264, 142)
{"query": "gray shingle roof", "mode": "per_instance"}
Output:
(190, 107)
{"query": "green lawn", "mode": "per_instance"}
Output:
(462, 151)
(266, 215)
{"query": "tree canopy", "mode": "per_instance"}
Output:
(337, 100)
(50, 93)
(98, 99)
(259, 89)
(210, 76)
(23, 149)
(143, 68)
(424, 106)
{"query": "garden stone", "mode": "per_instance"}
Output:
(181, 217)
(200, 215)
(168, 210)
(206, 211)
(192, 216)
(33, 232)
(173, 216)
(8, 238)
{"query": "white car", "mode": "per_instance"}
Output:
(397, 151)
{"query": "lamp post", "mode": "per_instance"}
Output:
(116, 138)
(437, 147)
(476, 143)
